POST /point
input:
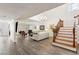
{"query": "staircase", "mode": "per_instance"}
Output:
(66, 39)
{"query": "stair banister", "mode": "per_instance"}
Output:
(56, 29)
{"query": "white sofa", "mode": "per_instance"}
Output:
(40, 35)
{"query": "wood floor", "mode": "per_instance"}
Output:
(25, 46)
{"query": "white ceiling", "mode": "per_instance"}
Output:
(24, 10)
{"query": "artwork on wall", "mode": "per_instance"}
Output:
(42, 27)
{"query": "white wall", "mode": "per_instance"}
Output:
(4, 29)
(24, 25)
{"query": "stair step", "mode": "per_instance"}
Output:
(64, 42)
(65, 38)
(65, 33)
(67, 27)
(66, 30)
(65, 46)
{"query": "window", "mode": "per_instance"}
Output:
(73, 7)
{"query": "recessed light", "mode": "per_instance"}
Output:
(4, 16)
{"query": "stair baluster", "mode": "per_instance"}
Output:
(74, 36)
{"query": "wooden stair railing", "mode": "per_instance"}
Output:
(74, 36)
(56, 29)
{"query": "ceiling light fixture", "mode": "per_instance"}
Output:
(43, 18)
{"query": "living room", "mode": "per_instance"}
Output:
(34, 33)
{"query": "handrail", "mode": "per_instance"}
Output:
(74, 36)
(56, 29)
